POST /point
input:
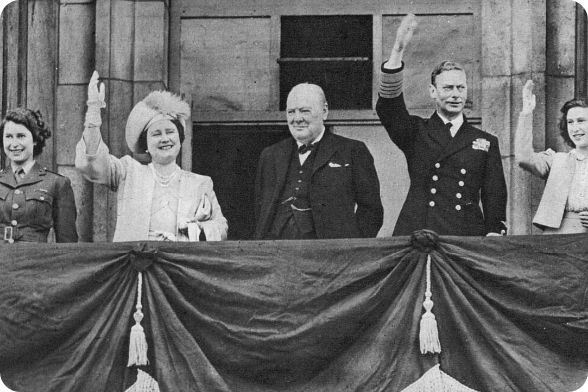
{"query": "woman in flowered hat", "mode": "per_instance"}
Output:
(158, 201)
(564, 204)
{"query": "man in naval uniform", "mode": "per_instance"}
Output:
(317, 184)
(457, 182)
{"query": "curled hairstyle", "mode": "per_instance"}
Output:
(445, 66)
(563, 121)
(31, 120)
(142, 141)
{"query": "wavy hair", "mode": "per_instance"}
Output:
(563, 121)
(31, 120)
(445, 66)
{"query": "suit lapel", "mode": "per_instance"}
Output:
(438, 138)
(7, 178)
(463, 138)
(281, 164)
(436, 130)
(327, 147)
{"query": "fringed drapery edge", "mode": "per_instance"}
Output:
(435, 380)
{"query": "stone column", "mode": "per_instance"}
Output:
(512, 32)
(131, 57)
(75, 65)
(14, 43)
(41, 71)
(528, 24)
(560, 78)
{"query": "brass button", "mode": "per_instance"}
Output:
(437, 165)
(432, 203)
(458, 195)
(435, 178)
(14, 223)
(461, 183)
(10, 241)
(17, 192)
(458, 207)
(433, 190)
(463, 171)
(15, 206)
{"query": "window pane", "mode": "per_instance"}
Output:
(334, 52)
(347, 85)
(327, 36)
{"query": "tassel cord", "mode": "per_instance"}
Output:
(138, 342)
(429, 334)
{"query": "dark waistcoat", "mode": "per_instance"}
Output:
(295, 193)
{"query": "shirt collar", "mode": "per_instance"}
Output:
(26, 167)
(457, 122)
(318, 139)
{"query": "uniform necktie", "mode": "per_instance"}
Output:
(19, 175)
(448, 127)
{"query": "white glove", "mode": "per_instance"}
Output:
(529, 100)
(204, 211)
(192, 227)
(95, 102)
(165, 236)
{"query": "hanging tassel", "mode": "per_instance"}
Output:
(429, 335)
(144, 383)
(138, 343)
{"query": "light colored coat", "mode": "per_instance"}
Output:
(134, 184)
(558, 169)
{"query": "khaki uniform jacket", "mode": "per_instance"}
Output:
(41, 201)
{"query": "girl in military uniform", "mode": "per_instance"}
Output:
(33, 200)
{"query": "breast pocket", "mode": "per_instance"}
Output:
(41, 205)
(338, 177)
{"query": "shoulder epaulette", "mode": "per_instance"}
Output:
(50, 171)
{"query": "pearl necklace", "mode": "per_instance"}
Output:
(164, 181)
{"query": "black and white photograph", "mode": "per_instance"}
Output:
(294, 196)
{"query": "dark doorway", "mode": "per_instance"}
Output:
(229, 155)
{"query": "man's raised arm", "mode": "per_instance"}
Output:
(403, 37)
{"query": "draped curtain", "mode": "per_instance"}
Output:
(293, 316)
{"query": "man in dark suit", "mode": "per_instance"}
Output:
(318, 184)
(452, 165)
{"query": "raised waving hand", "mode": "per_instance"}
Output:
(403, 37)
